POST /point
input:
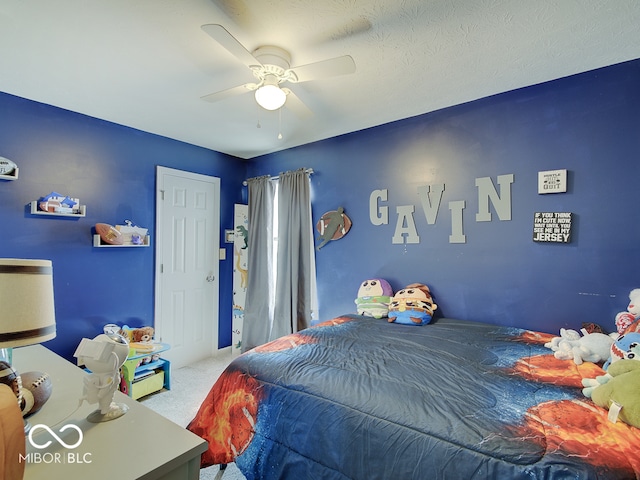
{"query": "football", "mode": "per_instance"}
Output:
(10, 377)
(36, 390)
(109, 234)
(6, 166)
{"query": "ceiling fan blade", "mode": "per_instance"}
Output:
(326, 68)
(296, 105)
(229, 42)
(229, 92)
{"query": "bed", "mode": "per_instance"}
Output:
(362, 398)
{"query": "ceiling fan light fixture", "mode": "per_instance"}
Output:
(270, 97)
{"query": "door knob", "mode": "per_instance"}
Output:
(210, 278)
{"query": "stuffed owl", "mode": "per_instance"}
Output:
(373, 299)
(412, 305)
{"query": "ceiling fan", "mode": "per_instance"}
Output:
(271, 66)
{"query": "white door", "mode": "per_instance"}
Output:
(187, 260)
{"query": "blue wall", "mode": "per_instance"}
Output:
(588, 124)
(111, 169)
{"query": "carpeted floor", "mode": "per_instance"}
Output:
(189, 387)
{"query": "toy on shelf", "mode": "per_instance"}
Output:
(109, 234)
(8, 168)
(140, 339)
(122, 235)
(132, 234)
(60, 204)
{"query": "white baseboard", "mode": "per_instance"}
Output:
(225, 351)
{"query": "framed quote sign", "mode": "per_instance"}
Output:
(552, 227)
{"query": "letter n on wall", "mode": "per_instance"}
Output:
(501, 203)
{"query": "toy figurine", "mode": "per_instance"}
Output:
(413, 305)
(373, 298)
(624, 320)
(101, 384)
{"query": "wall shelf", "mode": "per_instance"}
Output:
(97, 242)
(36, 211)
(12, 176)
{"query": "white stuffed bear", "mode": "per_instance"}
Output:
(592, 347)
(624, 319)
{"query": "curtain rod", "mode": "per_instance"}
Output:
(308, 171)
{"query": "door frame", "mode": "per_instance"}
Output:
(160, 171)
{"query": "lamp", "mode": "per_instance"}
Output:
(269, 95)
(27, 313)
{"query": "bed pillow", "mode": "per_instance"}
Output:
(413, 305)
(373, 298)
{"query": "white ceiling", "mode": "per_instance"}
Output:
(146, 63)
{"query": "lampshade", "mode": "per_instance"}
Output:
(27, 314)
(270, 96)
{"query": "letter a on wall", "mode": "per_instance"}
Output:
(405, 225)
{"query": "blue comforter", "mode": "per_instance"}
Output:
(360, 398)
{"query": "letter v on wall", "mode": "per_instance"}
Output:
(430, 197)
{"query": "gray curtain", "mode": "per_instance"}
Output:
(295, 240)
(280, 307)
(258, 309)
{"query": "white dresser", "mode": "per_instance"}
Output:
(139, 445)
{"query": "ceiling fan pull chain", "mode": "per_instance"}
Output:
(280, 123)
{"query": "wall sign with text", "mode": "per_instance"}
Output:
(552, 227)
(552, 181)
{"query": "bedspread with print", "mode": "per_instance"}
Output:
(360, 398)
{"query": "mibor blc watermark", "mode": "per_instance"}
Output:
(69, 456)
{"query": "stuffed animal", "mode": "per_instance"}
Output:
(624, 320)
(373, 299)
(137, 335)
(624, 347)
(140, 339)
(142, 335)
(592, 347)
(592, 327)
(412, 305)
(618, 391)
